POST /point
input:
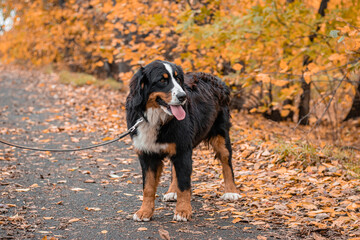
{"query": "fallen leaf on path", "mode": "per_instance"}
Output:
(317, 236)
(92, 209)
(89, 181)
(258, 223)
(74, 220)
(77, 189)
(112, 175)
(107, 138)
(22, 189)
(164, 234)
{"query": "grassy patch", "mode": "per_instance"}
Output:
(76, 79)
(111, 83)
(48, 69)
(297, 151)
(80, 79)
(352, 161)
(307, 154)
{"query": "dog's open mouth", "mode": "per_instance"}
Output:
(176, 110)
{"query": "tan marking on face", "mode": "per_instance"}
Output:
(175, 73)
(165, 75)
(183, 206)
(142, 85)
(218, 143)
(151, 103)
(174, 183)
(151, 183)
(171, 149)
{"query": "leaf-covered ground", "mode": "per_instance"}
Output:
(286, 193)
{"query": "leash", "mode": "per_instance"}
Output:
(130, 130)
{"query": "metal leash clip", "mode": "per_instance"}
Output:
(140, 120)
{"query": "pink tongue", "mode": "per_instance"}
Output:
(178, 112)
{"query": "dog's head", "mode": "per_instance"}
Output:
(158, 85)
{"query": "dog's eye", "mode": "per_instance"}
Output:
(163, 80)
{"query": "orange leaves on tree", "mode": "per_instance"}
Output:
(269, 38)
(307, 77)
(261, 77)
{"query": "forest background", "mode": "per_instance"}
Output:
(294, 61)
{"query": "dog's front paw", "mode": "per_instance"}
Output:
(170, 197)
(142, 215)
(231, 196)
(183, 212)
(182, 216)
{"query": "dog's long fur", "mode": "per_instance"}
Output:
(152, 90)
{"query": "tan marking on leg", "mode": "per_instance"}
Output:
(174, 183)
(148, 205)
(183, 209)
(171, 194)
(171, 149)
(218, 143)
(151, 103)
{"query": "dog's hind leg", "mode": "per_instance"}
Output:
(151, 169)
(171, 194)
(222, 148)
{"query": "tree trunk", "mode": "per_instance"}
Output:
(61, 3)
(304, 105)
(275, 114)
(355, 108)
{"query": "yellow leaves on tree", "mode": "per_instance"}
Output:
(251, 43)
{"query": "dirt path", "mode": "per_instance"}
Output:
(90, 194)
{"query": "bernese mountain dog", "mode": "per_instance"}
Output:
(180, 111)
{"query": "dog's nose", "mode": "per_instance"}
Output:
(181, 96)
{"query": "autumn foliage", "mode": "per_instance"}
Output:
(273, 51)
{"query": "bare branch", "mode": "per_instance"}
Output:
(328, 105)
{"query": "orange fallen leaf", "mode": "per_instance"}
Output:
(74, 220)
(107, 138)
(92, 209)
(261, 238)
(164, 234)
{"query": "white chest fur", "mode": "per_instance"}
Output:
(147, 132)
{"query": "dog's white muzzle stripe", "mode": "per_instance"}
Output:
(176, 89)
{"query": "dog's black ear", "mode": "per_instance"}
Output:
(180, 72)
(136, 96)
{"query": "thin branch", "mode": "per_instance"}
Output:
(350, 147)
(327, 107)
(313, 109)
